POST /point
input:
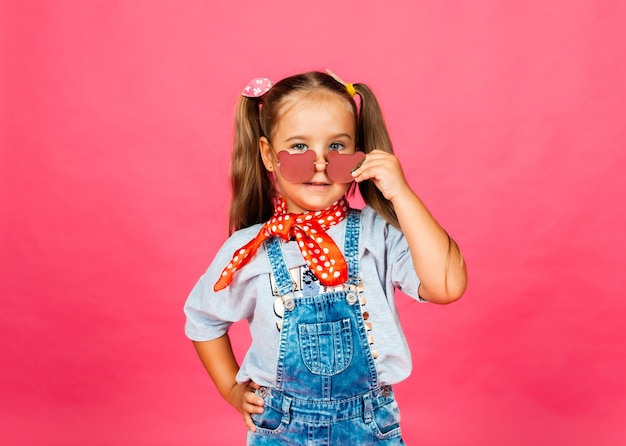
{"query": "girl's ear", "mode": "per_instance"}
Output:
(266, 153)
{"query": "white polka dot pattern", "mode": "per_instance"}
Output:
(320, 252)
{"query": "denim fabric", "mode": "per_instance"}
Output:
(326, 389)
(384, 264)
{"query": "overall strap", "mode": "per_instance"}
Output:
(351, 245)
(284, 282)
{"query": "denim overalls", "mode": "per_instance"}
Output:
(327, 390)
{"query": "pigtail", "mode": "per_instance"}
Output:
(372, 134)
(251, 185)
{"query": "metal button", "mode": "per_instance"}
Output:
(262, 392)
(351, 297)
(290, 303)
(385, 391)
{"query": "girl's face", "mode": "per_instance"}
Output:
(320, 122)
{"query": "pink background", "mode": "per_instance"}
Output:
(115, 130)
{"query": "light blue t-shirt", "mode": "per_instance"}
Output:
(386, 264)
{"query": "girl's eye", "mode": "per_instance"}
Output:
(300, 146)
(336, 146)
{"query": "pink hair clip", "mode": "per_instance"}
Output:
(257, 87)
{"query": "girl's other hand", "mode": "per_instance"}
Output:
(246, 401)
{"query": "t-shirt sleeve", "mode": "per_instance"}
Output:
(209, 314)
(391, 250)
(402, 272)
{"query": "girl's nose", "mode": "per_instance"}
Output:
(320, 163)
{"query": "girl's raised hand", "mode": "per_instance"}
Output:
(437, 259)
(385, 171)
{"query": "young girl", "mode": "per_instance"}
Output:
(314, 278)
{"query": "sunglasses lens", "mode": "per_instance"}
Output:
(340, 166)
(297, 167)
(300, 167)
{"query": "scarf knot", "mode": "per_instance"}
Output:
(321, 253)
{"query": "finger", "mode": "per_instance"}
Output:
(252, 397)
(367, 171)
(249, 423)
(359, 171)
(253, 406)
(253, 403)
(377, 166)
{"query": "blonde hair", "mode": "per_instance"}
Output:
(253, 190)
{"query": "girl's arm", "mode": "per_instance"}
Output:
(219, 361)
(436, 257)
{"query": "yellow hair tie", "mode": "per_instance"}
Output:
(349, 87)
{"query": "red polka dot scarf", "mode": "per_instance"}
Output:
(322, 255)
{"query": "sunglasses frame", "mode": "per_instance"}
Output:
(301, 167)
